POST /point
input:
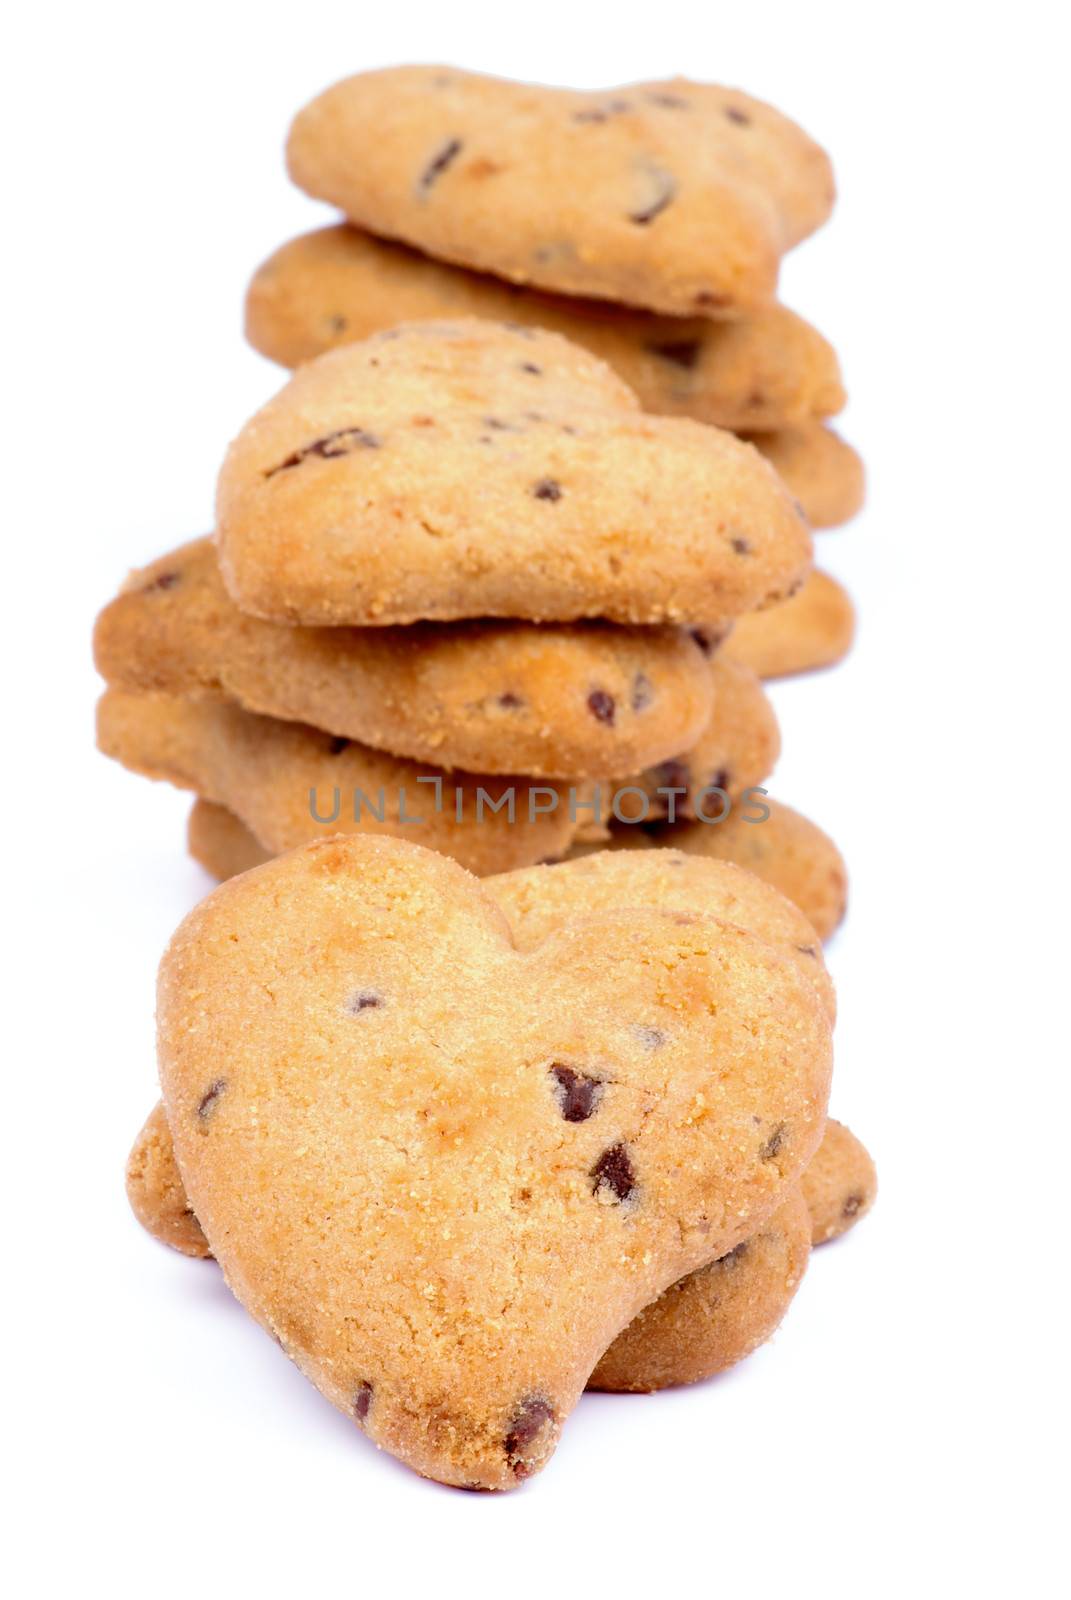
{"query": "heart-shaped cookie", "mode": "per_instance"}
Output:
(340, 284)
(446, 1173)
(442, 470)
(576, 700)
(675, 195)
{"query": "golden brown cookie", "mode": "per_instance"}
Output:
(155, 1189)
(786, 850)
(840, 1184)
(678, 196)
(221, 843)
(770, 369)
(814, 628)
(717, 1316)
(821, 471)
(290, 783)
(737, 750)
(551, 1138)
(700, 1326)
(439, 471)
(585, 699)
(535, 901)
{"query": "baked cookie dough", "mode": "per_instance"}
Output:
(290, 783)
(840, 1184)
(585, 699)
(815, 628)
(822, 472)
(446, 470)
(678, 196)
(770, 369)
(786, 850)
(553, 1137)
(736, 751)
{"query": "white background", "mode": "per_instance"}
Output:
(901, 1434)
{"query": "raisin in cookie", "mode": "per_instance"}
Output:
(439, 471)
(570, 700)
(770, 369)
(680, 197)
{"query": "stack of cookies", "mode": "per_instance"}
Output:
(644, 224)
(465, 593)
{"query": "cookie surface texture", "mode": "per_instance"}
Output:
(815, 628)
(822, 472)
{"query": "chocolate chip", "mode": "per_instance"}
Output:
(642, 692)
(672, 774)
(164, 580)
(510, 701)
(851, 1205)
(362, 1401)
(592, 114)
(720, 780)
(578, 1095)
(340, 443)
(496, 422)
(530, 1418)
(775, 1142)
(808, 950)
(439, 163)
(364, 1000)
(664, 189)
(733, 1256)
(337, 324)
(530, 366)
(336, 747)
(673, 102)
(712, 301)
(682, 352)
(734, 114)
(707, 640)
(613, 1171)
(207, 1103)
(602, 706)
(650, 1038)
(742, 546)
(547, 489)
